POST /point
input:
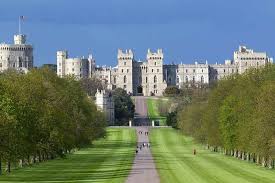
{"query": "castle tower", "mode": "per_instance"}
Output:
(19, 39)
(125, 69)
(17, 56)
(156, 83)
(61, 58)
(104, 102)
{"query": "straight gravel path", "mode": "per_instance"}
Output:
(144, 169)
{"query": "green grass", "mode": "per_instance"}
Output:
(175, 162)
(108, 160)
(153, 112)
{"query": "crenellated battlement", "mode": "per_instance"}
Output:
(127, 55)
(155, 55)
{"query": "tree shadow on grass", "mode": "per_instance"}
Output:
(104, 162)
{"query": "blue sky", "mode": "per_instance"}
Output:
(187, 30)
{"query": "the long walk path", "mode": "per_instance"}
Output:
(144, 169)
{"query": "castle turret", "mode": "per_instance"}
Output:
(61, 58)
(104, 102)
(19, 39)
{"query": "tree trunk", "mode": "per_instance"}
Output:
(270, 163)
(235, 153)
(8, 167)
(243, 156)
(258, 159)
(263, 162)
(20, 164)
(39, 157)
(248, 156)
(0, 166)
(29, 160)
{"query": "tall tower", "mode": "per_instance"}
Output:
(104, 102)
(125, 69)
(155, 72)
(61, 58)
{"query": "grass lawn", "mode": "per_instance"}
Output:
(175, 162)
(153, 112)
(108, 160)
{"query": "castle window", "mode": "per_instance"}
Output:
(125, 79)
(193, 79)
(124, 63)
(146, 79)
(186, 71)
(157, 70)
(122, 70)
(124, 87)
(114, 79)
(202, 79)
(152, 70)
(202, 70)
(73, 69)
(155, 79)
(194, 70)
(245, 63)
(127, 70)
(224, 70)
(155, 63)
(0, 64)
(178, 79)
(186, 79)
(155, 86)
(72, 63)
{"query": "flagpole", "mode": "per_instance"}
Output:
(19, 25)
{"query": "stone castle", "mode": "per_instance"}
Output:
(105, 103)
(152, 76)
(17, 56)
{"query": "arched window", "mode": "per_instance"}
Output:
(194, 79)
(178, 79)
(146, 80)
(202, 79)
(125, 79)
(155, 79)
(186, 79)
(114, 79)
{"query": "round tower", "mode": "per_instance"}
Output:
(20, 39)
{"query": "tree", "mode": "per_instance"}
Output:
(124, 106)
(171, 91)
(90, 85)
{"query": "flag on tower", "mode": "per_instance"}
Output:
(22, 17)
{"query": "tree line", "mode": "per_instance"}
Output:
(43, 117)
(236, 116)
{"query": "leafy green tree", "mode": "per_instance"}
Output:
(124, 106)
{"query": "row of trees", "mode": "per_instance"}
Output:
(236, 116)
(43, 116)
